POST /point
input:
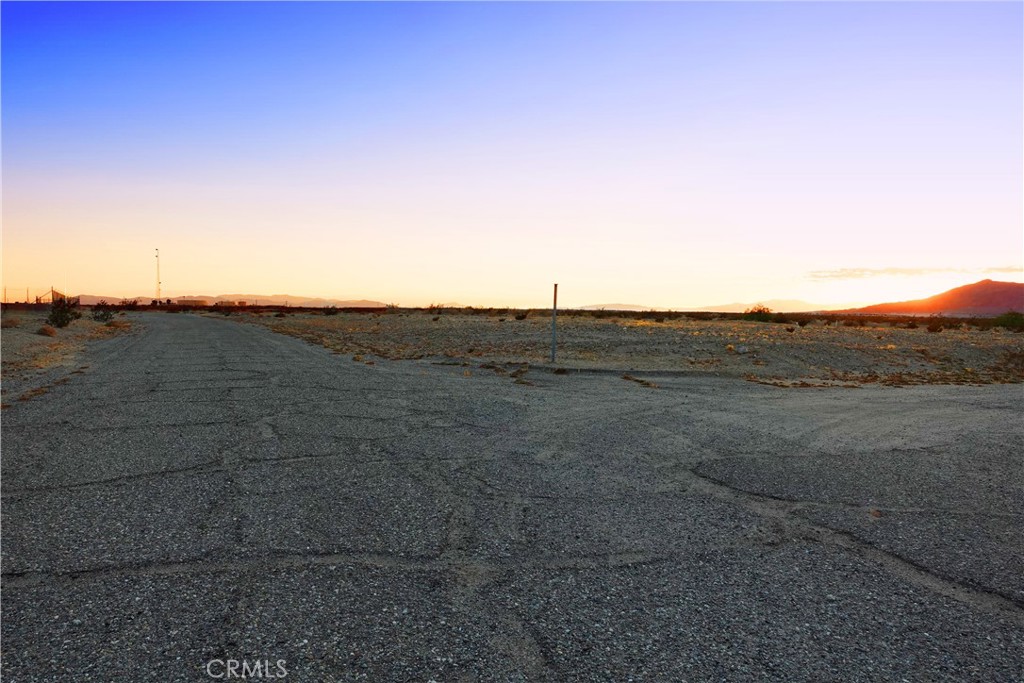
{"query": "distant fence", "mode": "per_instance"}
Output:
(34, 295)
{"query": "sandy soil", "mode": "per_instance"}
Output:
(26, 355)
(818, 354)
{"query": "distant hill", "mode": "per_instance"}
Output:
(985, 298)
(779, 305)
(613, 307)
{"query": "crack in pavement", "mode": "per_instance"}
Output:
(473, 573)
(780, 509)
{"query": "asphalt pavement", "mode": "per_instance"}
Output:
(204, 499)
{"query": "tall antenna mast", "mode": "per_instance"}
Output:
(158, 275)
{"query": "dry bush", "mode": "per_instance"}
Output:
(10, 322)
(119, 324)
(47, 331)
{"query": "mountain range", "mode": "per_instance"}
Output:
(985, 298)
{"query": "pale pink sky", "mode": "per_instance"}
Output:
(665, 154)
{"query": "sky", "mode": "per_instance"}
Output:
(671, 155)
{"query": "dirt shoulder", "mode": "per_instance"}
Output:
(31, 361)
(817, 354)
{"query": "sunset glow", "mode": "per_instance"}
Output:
(672, 155)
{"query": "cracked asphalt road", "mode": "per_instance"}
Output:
(209, 490)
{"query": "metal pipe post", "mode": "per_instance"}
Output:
(554, 319)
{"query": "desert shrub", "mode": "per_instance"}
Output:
(804, 322)
(521, 316)
(119, 324)
(851, 323)
(935, 326)
(759, 313)
(780, 318)
(62, 313)
(47, 331)
(1011, 320)
(10, 322)
(102, 312)
(331, 310)
(912, 325)
(279, 314)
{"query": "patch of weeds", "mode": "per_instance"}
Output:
(33, 393)
(47, 331)
(496, 368)
(10, 322)
(641, 382)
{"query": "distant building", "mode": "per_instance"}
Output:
(226, 303)
(193, 302)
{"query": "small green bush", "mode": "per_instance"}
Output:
(1011, 320)
(759, 313)
(63, 312)
(102, 312)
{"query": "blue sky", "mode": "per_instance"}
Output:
(669, 154)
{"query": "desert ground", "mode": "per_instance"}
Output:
(821, 352)
(411, 499)
(30, 361)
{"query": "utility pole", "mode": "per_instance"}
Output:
(554, 319)
(158, 275)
